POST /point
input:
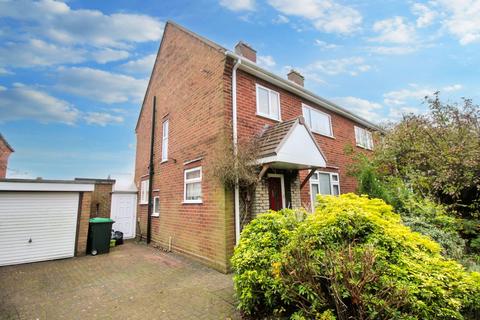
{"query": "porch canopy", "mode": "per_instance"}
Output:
(290, 145)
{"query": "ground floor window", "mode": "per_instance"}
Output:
(156, 207)
(324, 183)
(193, 185)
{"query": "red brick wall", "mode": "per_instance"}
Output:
(249, 124)
(83, 220)
(101, 200)
(4, 154)
(187, 81)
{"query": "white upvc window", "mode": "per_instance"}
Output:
(318, 121)
(144, 192)
(327, 183)
(193, 185)
(156, 207)
(165, 141)
(363, 138)
(268, 103)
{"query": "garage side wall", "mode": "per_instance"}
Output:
(82, 224)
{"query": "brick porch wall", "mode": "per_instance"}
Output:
(102, 196)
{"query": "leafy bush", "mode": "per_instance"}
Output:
(256, 257)
(351, 259)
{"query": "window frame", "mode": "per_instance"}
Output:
(194, 180)
(270, 91)
(317, 182)
(165, 140)
(363, 134)
(155, 209)
(144, 185)
(310, 124)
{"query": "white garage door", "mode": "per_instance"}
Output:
(37, 226)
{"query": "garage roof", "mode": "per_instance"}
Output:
(44, 185)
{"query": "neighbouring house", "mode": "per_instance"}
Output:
(200, 95)
(5, 151)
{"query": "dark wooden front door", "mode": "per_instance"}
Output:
(275, 193)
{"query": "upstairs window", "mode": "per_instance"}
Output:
(268, 103)
(318, 121)
(325, 183)
(165, 141)
(193, 185)
(363, 138)
(144, 192)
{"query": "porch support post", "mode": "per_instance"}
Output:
(310, 174)
(262, 172)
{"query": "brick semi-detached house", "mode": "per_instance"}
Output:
(205, 95)
(5, 151)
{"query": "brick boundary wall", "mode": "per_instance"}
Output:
(82, 223)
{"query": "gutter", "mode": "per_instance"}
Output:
(235, 149)
(252, 68)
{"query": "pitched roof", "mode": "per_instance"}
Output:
(250, 66)
(6, 143)
(272, 138)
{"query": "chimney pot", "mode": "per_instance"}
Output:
(296, 77)
(246, 51)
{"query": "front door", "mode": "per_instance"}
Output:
(275, 194)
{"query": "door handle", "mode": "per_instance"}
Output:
(30, 240)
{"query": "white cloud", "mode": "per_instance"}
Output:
(101, 118)
(325, 45)
(454, 87)
(20, 102)
(393, 50)
(425, 14)
(326, 15)
(101, 85)
(394, 30)
(364, 108)
(352, 66)
(143, 65)
(38, 53)
(266, 61)
(57, 21)
(4, 72)
(281, 19)
(238, 5)
(108, 55)
(462, 19)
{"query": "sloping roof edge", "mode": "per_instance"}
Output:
(6, 143)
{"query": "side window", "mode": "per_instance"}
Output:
(193, 185)
(165, 141)
(156, 207)
(144, 192)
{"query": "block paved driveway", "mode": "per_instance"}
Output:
(133, 281)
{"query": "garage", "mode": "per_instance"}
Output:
(42, 220)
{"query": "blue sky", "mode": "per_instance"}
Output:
(73, 73)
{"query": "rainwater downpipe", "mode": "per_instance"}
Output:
(235, 149)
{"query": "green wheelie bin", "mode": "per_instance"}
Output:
(99, 234)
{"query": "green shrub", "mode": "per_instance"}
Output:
(256, 258)
(352, 259)
(356, 257)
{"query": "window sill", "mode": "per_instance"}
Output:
(323, 135)
(143, 203)
(192, 202)
(365, 148)
(163, 161)
(155, 215)
(267, 117)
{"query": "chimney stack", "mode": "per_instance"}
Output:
(246, 51)
(296, 77)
